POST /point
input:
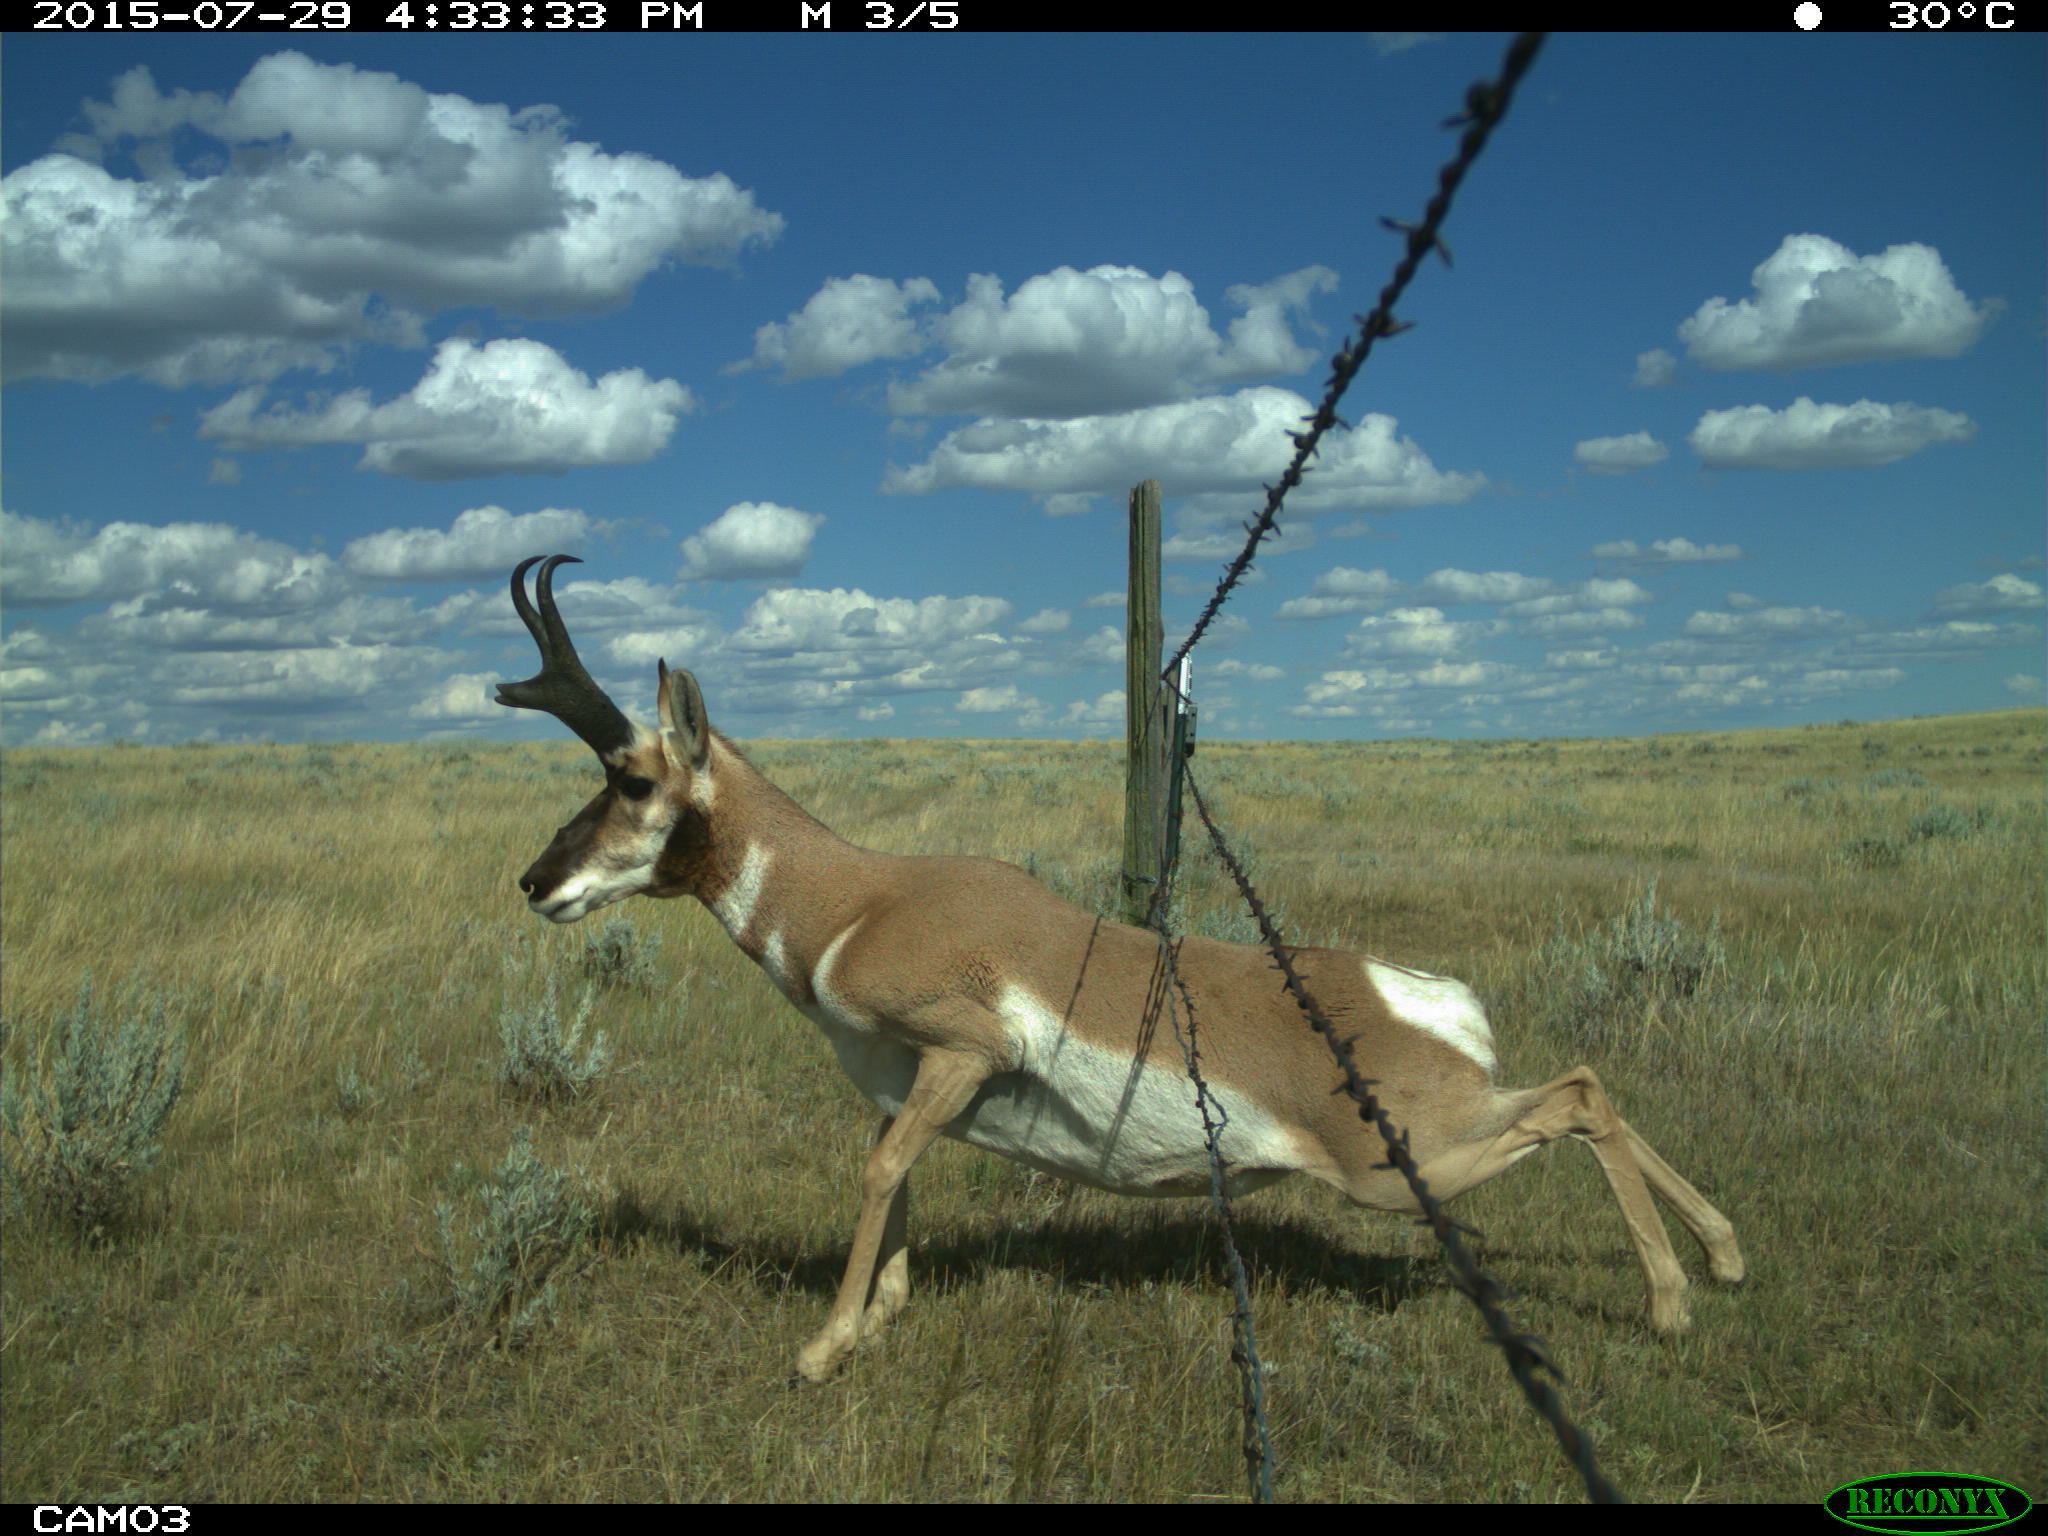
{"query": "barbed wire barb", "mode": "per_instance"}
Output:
(1486, 103)
(1528, 1358)
(1244, 1352)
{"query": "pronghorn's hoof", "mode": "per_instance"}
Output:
(819, 1361)
(1728, 1269)
(1672, 1323)
(879, 1315)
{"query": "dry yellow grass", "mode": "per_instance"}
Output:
(1860, 1091)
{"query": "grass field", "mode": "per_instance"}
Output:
(276, 1314)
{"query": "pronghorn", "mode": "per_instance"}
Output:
(966, 1000)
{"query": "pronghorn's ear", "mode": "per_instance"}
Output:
(685, 733)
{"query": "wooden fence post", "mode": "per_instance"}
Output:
(1146, 726)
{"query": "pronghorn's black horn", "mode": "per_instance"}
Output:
(561, 688)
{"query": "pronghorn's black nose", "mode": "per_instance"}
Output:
(526, 883)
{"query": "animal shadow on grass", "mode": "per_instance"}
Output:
(1083, 1252)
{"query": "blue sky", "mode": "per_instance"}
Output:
(834, 358)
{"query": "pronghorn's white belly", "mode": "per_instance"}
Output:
(1072, 1108)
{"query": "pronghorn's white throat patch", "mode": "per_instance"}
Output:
(736, 905)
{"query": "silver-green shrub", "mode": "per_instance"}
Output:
(541, 1060)
(1601, 981)
(535, 1221)
(619, 955)
(84, 1121)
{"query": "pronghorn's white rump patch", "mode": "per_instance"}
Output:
(1438, 1006)
(736, 905)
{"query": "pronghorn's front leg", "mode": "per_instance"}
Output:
(891, 1288)
(945, 1086)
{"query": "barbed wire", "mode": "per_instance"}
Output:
(1526, 1354)
(1258, 1434)
(1486, 103)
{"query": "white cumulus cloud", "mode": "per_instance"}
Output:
(1102, 715)
(1413, 632)
(749, 541)
(301, 678)
(847, 322)
(800, 619)
(1953, 637)
(1818, 304)
(990, 701)
(187, 564)
(1255, 671)
(1455, 586)
(1342, 589)
(507, 407)
(2003, 593)
(1666, 552)
(462, 696)
(1593, 595)
(483, 541)
(1111, 339)
(1769, 624)
(1806, 435)
(1218, 444)
(2026, 686)
(332, 205)
(1619, 455)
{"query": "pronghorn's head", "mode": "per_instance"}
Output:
(642, 834)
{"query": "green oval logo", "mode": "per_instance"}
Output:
(1912, 1503)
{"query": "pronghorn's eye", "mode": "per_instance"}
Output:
(635, 788)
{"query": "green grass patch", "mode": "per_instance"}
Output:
(1807, 964)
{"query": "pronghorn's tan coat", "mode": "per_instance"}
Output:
(965, 999)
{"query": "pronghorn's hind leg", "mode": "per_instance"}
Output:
(1713, 1231)
(1576, 1105)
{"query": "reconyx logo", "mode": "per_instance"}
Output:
(1927, 1502)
